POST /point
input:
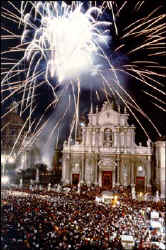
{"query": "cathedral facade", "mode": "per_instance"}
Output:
(107, 154)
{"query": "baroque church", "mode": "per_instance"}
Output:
(107, 155)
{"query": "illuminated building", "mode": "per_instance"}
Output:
(107, 154)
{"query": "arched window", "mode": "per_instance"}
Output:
(107, 137)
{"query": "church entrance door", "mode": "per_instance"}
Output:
(140, 184)
(107, 180)
(75, 179)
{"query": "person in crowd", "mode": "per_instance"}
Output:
(46, 220)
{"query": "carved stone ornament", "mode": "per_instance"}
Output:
(107, 163)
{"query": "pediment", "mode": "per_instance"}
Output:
(109, 117)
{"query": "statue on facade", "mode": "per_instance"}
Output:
(157, 197)
(148, 142)
(21, 183)
(79, 188)
(37, 175)
(133, 193)
(49, 186)
(58, 188)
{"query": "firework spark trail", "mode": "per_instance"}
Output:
(27, 50)
(127, 95)
(17, 89)
(121, 8)
(116, 29)
(73, 117)
(19, 135)
(45, 45)
(34, 141)
(135, 105)
(58, 123)
(142, 80)
(142, 19)
(158, 99)
(35, 133)
(37, 130)
(164, 110)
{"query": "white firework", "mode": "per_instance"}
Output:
(68, 39)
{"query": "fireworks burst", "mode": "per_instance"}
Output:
(68, 50)
(66, 39)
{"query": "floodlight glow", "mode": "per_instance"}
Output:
(140, 168)
(3, 158)
(11, 159)
(5, 179)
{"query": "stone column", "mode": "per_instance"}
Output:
(118, 140)
(89, 136)
(82, 170)
(160, 154)
(132, 173)
(66, 172)
(128, 138)
(125, 141)
(37, 175)
(113, 177)
(162, 183)
(115, 139)
(93, 168)
(132, 135)
(101, 138)
(93, 137)
(97, 138)
(26, 163)
(84, 135)
(121, 172)
(132, 179)
(117, 171)
(148, 171)
(122, 139)
(21, 183)
(88, 172)
(96, 172)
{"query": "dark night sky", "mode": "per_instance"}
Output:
(135, 88)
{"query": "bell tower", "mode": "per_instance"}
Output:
(160, 164)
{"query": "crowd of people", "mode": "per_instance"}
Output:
(48, 220)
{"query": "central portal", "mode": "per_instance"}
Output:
(140, 184)
(107, 180)
(75, 179)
